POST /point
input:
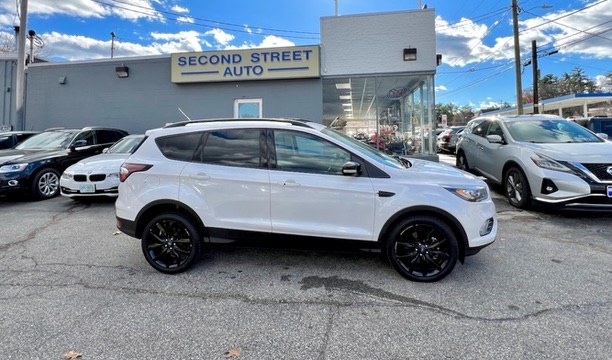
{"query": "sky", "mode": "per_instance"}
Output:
(474, 37)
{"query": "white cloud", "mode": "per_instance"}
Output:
(220, 36)
(185, 19)
(275, 41)
(180, 9)
(268, 42)
(465, 42)
(441, 88)
(76, 47)
(132, 10)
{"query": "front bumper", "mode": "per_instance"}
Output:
(13, 182)
(106, 187)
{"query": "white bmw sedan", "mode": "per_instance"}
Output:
(98, 175)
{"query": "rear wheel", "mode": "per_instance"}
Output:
(46, 184)
(171, 243)
(422, 248)
(516, 188)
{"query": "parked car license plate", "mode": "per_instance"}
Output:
(609, 188)
(88, 188)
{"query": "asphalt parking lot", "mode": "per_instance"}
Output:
(70, 282)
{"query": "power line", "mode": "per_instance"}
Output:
(567, 26)
(178, 18)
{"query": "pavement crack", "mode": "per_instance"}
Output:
(53, 221)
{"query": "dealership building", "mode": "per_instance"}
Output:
(370, 74)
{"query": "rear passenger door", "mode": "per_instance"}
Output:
(227, 180)
(309, 194)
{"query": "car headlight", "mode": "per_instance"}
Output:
(472, 194)
(113, 175)
(67, 175)
(13, 168)
(548, 163)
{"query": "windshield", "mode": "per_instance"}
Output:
(127, 145)
(372, 153)
(550, 131)
(48, 140)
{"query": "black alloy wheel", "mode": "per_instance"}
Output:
(171, 243)
(46, 184)
(422, 248)
(517, 188)
(461, 162)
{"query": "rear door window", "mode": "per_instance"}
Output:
(235, 147)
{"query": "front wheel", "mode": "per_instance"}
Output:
(46, 184)
(171, 243)
(461, 162)
(517, 188)
(422, 248)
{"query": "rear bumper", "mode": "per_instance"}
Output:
(127, 227)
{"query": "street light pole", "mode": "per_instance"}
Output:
(517, 59)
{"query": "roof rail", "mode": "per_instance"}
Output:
(293, 121)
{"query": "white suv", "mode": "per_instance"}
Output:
(210, 178)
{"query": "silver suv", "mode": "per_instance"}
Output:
(540, 158)
(215, 178)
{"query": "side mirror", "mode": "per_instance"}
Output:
(495, 139)
(603, 136)
(77, 144)
(351, 168)
(104, 151)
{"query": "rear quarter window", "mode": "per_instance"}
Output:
(183, 147)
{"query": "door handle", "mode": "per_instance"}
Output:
(290, 183)
(200, 176)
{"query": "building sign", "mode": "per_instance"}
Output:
(246, 64)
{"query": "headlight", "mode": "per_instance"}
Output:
(546, 162)
(472, 194)
(113, 175)
(13, 168)
(67, 175)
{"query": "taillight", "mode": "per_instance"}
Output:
(447, 138)
(128, 169)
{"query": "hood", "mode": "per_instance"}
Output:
(13, 156)
(597, 153)
(431, 172)
(102, 162)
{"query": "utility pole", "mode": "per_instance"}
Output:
(534, 62)
(113, 44)
(20, 76)
(517, 59)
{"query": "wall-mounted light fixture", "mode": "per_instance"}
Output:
(410, 54)
(62, 80)
(122, 71)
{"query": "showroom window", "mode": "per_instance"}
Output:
(394, 113)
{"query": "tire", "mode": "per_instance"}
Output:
(422, 248)
(46, 184)
(516, 188)
(461, 161)
(171, 243)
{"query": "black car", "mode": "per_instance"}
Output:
(8, 139)
(35, 165)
